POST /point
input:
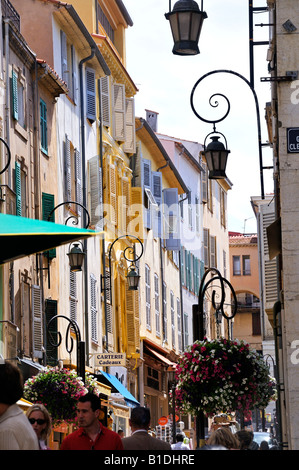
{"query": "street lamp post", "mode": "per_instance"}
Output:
(218, 303)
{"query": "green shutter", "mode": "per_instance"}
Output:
(18, 189)
(43, 126)
(47, 207)
(15, 107)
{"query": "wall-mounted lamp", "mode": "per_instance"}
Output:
(132, 272)
(76, 257)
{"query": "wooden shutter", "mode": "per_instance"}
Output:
(157, 193)
(119, 109)
(130, 143)
(90, 94)
(18, 189)
(37, 323)
(136, 213)
(43, 126)
(132, 319)
(50, 312)
(67, 169)
(73, 296)
(15, 101)
(206, 245)
(95, 192)
(47, 207)
(105, 101)
(78, 172)
(64, 67)
(148, 297)
(171, 219)
(93, 308)
(213, 262)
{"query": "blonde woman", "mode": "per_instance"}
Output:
(40, 421)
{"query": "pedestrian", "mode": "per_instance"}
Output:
(246, 438)
(91, 435)
(40, 420)
(121, 433)
(179, 444)
(140, 439)
(264, 445)
(16, 432)
(224, 437)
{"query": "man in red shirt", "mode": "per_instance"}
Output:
(91, 435)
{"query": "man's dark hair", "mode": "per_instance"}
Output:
(140, 417)
(11, 383)
(95, 401)
(179, 437)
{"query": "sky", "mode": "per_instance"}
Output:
(165, 83)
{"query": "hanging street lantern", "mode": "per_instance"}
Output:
(186, 21)
(76, 258)
(216, 156)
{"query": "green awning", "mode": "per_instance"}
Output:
(20, 236)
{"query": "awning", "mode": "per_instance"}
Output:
(160, 356)
(20, 236)
(118, 387)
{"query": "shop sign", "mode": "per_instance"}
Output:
(293, 140)
(110, 359)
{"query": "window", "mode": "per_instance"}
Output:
(246, 265)
(148, 297)
(157, 304)
(236, 266)
(256, 323)
(68, 66)
(43, 126)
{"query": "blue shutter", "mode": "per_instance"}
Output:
(157, 193)
(146, 174)
(15, 105)
(90, 95)
(43, 126)
(171, 218)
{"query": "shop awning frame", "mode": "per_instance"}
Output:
(21, 236)
(118, 387)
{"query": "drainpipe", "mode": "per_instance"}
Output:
(84, 197)
(103, 238)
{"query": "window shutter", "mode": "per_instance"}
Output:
(73, 296)
(95, 193)
(50, 312)
(213, 251)
(18, 189)
(119, 109)
(182, 259)
(130, 144)
(47, 207)
(157, 193)
(78, 169)
(204, 182)
(63, 56)
(146, 178)
(206, 239)
(37, 323)
(172, 318)
(67, 169)
(75, 75)
(90, 95)
(157, 304)
(148, 297)
(93, 308)
(179, 317)
(15, 103)
(43, 126)
(132, 319)
(105, 100)
(171, 219)
(136, 213)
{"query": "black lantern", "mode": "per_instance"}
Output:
(76, 258)
(186, 21)
(133, 278)
(216, 156)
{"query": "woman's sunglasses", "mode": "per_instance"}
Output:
(38, 421)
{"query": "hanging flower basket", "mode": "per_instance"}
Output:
(58, 390)
(222, 376)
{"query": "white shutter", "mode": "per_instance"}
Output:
(64, 71)
(269, 267)
(73, 296)
(157, 193)
(95, 192)
(171, 219)
(67, 169)
(93, 308)
(79, 195)
(119, 109)
(37, 321)
(130, 143)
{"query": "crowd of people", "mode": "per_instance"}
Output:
(30, 431)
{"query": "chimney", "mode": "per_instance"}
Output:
(152, 119)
